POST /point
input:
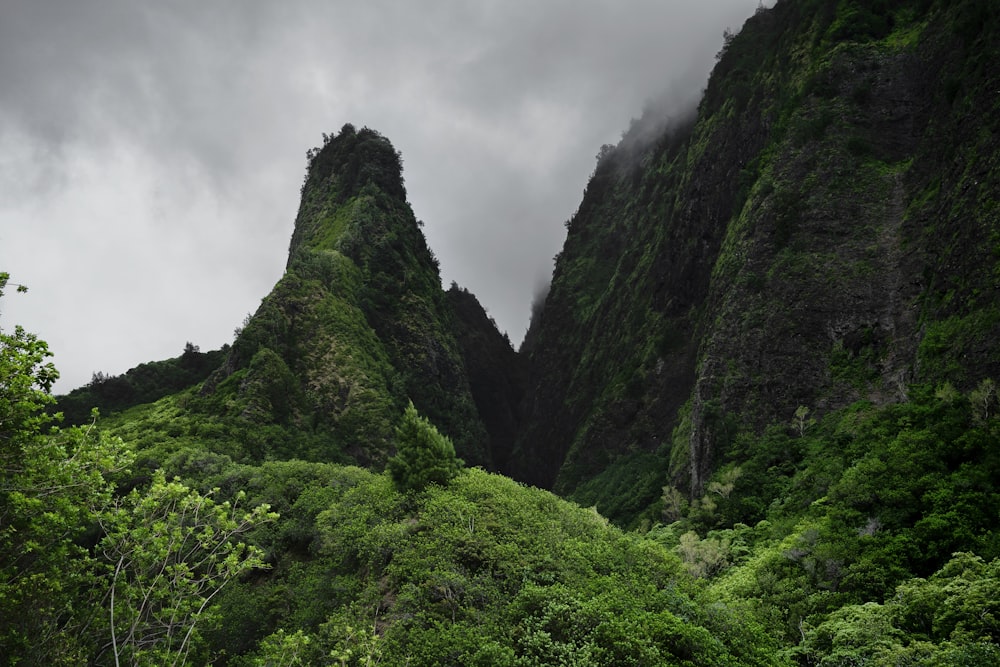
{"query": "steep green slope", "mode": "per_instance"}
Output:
(357, 326)
(823, 230)
(497, 374)
(483, 572)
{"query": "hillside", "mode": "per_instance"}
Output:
(359, 323)
(357, 326)
(817, 234)
(757, 405)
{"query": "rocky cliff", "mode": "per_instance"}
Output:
(822, 230)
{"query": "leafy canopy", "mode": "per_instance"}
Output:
(162, 552)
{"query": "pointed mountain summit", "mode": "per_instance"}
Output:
(358, 325)
(769, 345)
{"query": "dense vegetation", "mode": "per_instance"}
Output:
(356, 328)
(865, 536)
(411, 566)
(143, 384)
(763, 381)
(821, 231)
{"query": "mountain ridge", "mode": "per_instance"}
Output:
(765, 363)
(776, 253)
(698, 292)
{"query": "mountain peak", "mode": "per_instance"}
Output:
(349, 165)
(358, 326)
(356, 158)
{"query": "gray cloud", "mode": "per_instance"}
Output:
(151, 153)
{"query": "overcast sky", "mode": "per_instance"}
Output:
(151, 153)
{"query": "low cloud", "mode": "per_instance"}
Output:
(151, 153)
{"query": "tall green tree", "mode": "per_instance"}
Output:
(423, 455)
(162, 552)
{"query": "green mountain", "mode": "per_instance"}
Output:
(356, 328)
(359, 323)
(822, 231)
(766, 364)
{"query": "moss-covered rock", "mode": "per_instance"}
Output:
(820, 231)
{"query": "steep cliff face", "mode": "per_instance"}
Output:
(359, 324)
(497, 375)
(823, 230)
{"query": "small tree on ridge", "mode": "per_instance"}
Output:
(423, 455)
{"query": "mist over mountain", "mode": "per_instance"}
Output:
(753, 421)
(153, 151)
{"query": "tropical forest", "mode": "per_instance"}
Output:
(754, 420)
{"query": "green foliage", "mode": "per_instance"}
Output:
(803, 420)
(25, 390)
(269, 387)
(482, 571)
(856, 634)
(861, 21)
(859, 530)
(873, 498)
(283, 650)
(50, 500)
(488, 572)
(143, 384)
(423, 455)
(984, 399)
(52, 488)
(948, 619)
(170, 551)
(87, 574)
(947, 341)
(625, 489)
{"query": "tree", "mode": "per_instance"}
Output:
(164, 554)
(171, 550)
(283, 649)
(192, 358)
(704, 557)
(53, 485)
(802, 420)
(49, 504)
(26, 380)
(674, 504)
(983, 398)
(725, 482)
(423, 455)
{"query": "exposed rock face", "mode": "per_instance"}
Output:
(808, 239)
